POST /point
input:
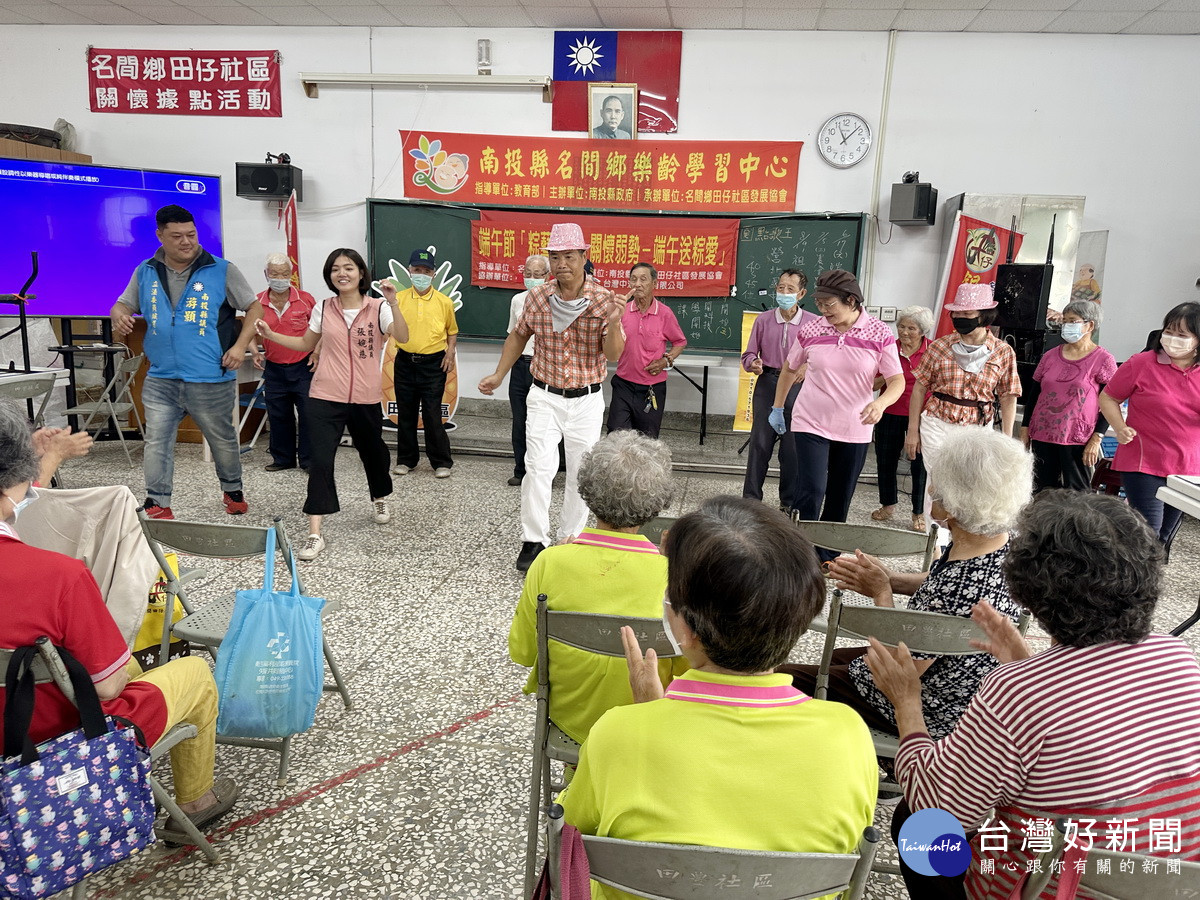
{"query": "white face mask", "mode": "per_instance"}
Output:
(279, 285)
(667, 630)
(1072, 332)
(1176, 346)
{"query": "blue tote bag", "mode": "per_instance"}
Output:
(270, 668)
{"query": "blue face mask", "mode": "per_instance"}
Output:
(1072, 331)
(30, 496)
(786, 301)
(421, 282)
(531, 283)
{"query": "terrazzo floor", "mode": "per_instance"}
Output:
(419, 790)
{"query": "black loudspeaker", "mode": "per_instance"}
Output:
(268, 181)
(914, 203)
(1023, 292)
(1029, 344)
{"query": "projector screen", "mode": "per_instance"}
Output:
(91, 226)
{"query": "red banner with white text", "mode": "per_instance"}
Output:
(976, 248)
(694, 257)
(683, 176)
(184, 82)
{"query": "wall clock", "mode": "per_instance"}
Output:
(844, 140)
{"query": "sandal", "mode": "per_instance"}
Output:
(226, 791)
(918, 524)
(883, 513)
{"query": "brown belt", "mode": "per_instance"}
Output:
(985, 409)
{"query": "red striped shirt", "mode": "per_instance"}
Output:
(1107, 732)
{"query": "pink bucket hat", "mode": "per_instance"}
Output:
(972, 296)
(567, 236)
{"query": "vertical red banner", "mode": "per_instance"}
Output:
(287, 221)
(976, 248)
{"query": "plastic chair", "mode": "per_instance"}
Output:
(107, 410)
(669, 871)
(1145, 881)
(49, 668)
(208, 624)
(846, 537)
(593, 633)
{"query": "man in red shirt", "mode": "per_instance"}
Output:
(578, 328)
(286, 373)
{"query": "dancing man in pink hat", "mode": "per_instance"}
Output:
(578, 327)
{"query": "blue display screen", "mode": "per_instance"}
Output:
(91, 226)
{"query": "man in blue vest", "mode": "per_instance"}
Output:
(195, 345)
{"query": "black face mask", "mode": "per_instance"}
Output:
(964, 326)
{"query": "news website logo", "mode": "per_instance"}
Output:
(932, 842)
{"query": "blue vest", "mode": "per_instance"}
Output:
(187, 342)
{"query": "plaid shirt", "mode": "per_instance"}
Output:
(939, 372)
(573, 358)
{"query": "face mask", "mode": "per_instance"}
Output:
(1175, 346)
(786, 301)
(1072, 331)
(964, 326)
(421, 282)
(531, 283)
(30, 496)
(667, 630)
(279, 285)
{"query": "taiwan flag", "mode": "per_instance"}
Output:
(649, 59)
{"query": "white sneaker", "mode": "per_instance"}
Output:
(383, 512)
(400, 470)
(443, 472)
(312, 548)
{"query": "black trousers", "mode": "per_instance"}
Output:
(926, 887)
(420, 384)
(520, 380)
(889, 444)
(628, 407)
(1059, 466)
(827, 476)
(326, 422)
(763, 440)
(286, 394)
(840, 687)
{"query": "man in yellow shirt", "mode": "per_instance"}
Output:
(421, 366)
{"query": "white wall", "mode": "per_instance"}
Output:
(1107, 117)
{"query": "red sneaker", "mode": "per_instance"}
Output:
(154, 511)
(235, 503)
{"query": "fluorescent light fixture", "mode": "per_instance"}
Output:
(310, 80)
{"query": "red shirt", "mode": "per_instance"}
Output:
(46, 593)
(293, 322)
(907, 365)
(646, 337)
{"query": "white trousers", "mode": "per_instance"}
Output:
(576, 421)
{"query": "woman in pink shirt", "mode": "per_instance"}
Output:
(1161, 435)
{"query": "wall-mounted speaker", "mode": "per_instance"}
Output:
(268, 181)
(913, 203)
(1023, 292)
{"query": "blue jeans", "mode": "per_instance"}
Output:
(167, 401)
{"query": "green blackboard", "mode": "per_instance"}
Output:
(811, 243)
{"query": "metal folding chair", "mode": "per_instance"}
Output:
(670, 871)
(208, 624)
(29, 386)
(107, 410)
(593, 633)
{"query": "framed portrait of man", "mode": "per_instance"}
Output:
(612, 110)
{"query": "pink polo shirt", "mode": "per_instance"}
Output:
(841, 376)
(1164, 410)
(646, 337)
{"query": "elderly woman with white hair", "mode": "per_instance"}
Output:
(1062, 410)
(913, 328)
(626, 480)
(982, 482)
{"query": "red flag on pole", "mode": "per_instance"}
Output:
(287, 221)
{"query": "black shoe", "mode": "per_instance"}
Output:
(529, 552)
(515, 480)
(276, 467)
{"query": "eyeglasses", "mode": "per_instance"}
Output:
(831, 303)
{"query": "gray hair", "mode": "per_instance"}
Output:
(983, 478)
(921, 316)
(1088, 310)
(278, 259)
(18, 461)
(625, 479)
(540, 261)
